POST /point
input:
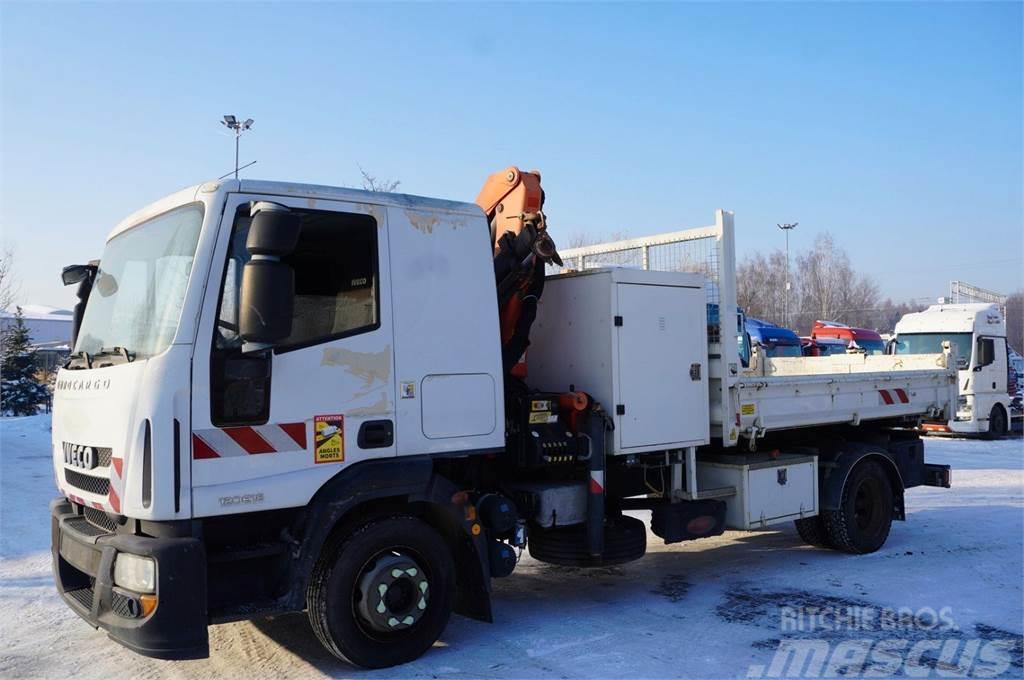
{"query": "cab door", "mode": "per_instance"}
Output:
(989, 374)
(269, 428)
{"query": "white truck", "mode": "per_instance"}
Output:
(287, 397)
(979, 332)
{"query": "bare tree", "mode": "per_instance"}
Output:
(580, 240)
(372, 183)
(830, 289)
(8, 285)
(889, 313)
(627, 258)
(761, 286)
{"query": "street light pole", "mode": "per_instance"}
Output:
(787, 228)
(239, 127)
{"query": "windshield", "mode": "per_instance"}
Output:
(931, 343)
(140, 285)
(777, 351)
(872, 346)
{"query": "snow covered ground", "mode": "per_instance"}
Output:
(721, 607)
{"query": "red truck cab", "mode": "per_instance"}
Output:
(866, 339)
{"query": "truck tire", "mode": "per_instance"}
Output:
(862, 522)
(813, 532)
(625, 540)
(381, 594)
(997, 427)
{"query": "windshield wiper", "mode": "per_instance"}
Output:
(116, 350)
(81, 354)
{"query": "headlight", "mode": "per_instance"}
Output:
(963, 405)
(135, 573)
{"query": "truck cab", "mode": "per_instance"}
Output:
(166, 416)
(774, 341)
(978, 331)
(863, 338)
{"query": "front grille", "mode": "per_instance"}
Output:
(83, 527)
(123, 605)
(99, 519)
(96, 485)
(82, 596)
(102, 453)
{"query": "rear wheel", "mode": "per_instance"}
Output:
(862, 522)
(997, 426)
(381, 595)
(813, 532)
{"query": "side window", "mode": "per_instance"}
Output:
(336, 278)
(336, 295)
(986, 352)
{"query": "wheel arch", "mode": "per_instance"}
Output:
(380, 488)
(842, 464)
(1006, 416)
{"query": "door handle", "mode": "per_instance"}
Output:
(376, 434)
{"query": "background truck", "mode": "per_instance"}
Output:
(979, 332)
(287, 397)
(866, 339)
(775, 341)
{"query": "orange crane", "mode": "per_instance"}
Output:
(513, 201)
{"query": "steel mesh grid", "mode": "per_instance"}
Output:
(699, 254)
(96, 485)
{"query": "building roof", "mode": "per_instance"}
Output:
(40, 313)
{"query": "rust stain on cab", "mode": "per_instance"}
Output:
(370, 366)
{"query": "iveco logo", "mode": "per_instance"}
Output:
(80, 456)
(84, 385)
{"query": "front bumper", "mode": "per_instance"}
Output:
(83, 568)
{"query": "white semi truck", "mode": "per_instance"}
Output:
(286, 397)
(979, 332)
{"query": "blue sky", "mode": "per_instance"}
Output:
(897, 127)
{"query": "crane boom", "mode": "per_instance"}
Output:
(513, 201)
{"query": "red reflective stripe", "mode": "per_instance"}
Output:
(902, 395)
(118, 464)
(201, 450)
(885, 396)
(595, 487)
(297, 431)
(249, 439)
(115, 502)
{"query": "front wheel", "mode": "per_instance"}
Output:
(997, 427)
(382, 595)
(862, 522)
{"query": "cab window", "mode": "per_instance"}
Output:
(337, 294)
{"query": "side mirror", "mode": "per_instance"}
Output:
(268, 284)
(83, 275)
(77, 273)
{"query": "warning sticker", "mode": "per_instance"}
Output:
(329, 439)
(748, 409)
(540, 405)
(539, 417)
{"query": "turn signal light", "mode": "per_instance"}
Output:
(148, 603)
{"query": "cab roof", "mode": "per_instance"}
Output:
(196, 192)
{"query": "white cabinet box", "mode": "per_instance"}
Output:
(635, 340)
(768, 490)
